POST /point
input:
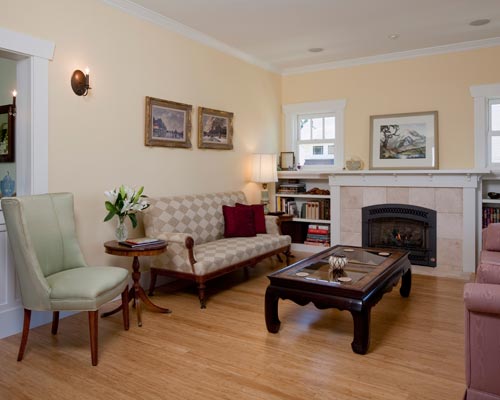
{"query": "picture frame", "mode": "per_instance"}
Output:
(404, 141)
(7, 132)
(215, 129)
(168, 123)
(287, 160)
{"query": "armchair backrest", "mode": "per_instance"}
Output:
(197, 215)
(41, 231)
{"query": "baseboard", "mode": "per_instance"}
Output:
(11, 321)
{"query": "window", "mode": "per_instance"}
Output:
(314, 132)
(487, 125)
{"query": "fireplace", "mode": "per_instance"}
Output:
(401, 226)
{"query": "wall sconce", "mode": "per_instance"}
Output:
(80, 82)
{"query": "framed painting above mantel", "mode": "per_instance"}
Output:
(404, 141)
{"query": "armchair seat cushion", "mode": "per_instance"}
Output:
(86, 287)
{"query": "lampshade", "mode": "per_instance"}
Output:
(264, 168)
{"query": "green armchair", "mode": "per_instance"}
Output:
(52, 272)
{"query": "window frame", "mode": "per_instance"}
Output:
(484, 96)
(333, 108)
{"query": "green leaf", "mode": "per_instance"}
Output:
(138, 195)
(133, 219)
(110, 215)
(110, 207)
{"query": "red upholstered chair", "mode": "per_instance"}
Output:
(482, 322)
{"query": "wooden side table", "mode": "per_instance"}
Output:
(136, 293)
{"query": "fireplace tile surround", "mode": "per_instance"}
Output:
(452, 194)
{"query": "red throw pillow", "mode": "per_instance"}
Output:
(259, 218)
(238, 221)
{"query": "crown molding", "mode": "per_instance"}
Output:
(402, 55)
(20, 43)
(151, 16)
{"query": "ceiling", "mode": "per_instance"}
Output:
(279, 33)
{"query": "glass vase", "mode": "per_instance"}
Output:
(121, 232)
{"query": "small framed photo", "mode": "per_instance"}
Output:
(404, 141)
(215, 129)
(168, 123)
(287, 160)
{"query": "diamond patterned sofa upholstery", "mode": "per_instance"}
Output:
(193, 226)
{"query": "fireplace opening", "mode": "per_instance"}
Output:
(402, 226)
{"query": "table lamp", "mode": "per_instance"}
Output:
(264, 170)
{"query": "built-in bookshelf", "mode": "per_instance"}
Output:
(305, 196)
(490, 206)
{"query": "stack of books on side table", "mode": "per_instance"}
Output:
(144, 241)
(318, 235)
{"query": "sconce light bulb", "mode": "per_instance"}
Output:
(14, 93)
(87, 71)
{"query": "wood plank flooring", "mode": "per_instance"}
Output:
(225, 351)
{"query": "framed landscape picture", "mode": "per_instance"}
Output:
(404, 141)
(168, 123)
(215, 129)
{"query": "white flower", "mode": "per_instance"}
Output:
(111, 195)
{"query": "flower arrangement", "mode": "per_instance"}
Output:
(124, 201)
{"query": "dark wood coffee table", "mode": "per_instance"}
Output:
(373, 272)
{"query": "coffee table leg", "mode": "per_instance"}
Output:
(271, 310)
(361, 340)
(405, 284)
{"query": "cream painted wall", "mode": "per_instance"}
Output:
(97, 142)
(439, 82)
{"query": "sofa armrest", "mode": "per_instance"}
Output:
(174, 237)
(482, 298)
(182, 241)
(488, 273)
(272, 226)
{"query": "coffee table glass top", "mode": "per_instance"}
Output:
(360, 262)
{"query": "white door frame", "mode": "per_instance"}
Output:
(32, 128)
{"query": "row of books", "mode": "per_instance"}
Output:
(292, 188)
(317, 209)
(490, 215)
(318, 235)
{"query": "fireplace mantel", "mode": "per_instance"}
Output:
(410, 178)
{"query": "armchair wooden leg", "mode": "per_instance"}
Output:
(125, 310)
(93, 335)
(26, 330)
(55, 322)
(202, 295)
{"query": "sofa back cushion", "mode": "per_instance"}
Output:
(197, 215)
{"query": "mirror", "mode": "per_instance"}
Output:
(7, 129)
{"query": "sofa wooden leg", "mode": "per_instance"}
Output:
(26, 330)
(202, 295)
(93, 335)
(152, 283)
(125, 310)
(55, 322)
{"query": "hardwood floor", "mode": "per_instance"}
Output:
(225, 351)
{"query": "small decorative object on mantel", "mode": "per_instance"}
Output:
(354, 164)
(404, 141)
(7, 186)
(215, 129)
(494, 195)
(124, 202)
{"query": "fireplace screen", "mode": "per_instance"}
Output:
(402, 226)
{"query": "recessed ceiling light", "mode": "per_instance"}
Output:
(479, 22)
(394, 36)
(315, 49)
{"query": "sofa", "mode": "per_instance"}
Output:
(482, 322)
(197, 250)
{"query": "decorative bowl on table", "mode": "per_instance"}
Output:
(494, 195)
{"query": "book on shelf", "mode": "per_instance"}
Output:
(144, 241)
(490, 215)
